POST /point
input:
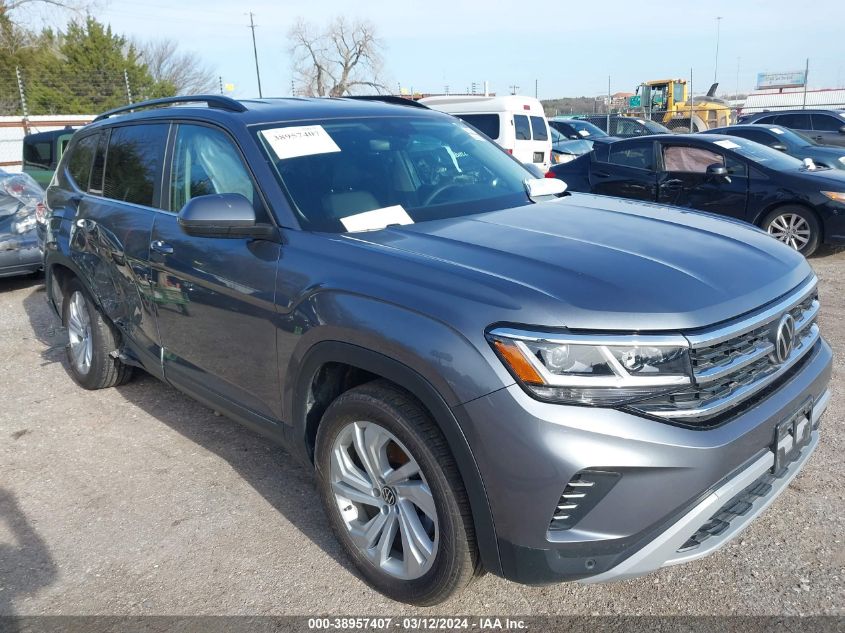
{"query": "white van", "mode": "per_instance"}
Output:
(516, 123)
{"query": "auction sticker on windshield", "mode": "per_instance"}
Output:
(727, 144)
(301, 140)
(376, 219)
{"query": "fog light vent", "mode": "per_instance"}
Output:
(581, 495)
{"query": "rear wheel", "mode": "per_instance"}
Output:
(393, 495)
(796, 227)
(91, 340)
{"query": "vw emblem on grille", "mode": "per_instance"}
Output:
(784, 338)
(388, 495)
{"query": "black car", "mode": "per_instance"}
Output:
(626, 126)
(577, 129)
(823, 126)
(788, 141)
(721, 174)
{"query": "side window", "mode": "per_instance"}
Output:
(766, 119)
(487, 124)
(38, 154)
(98, 169)
(206, 162)
(538, 128)
(133, 163)
(523, 128)
(758, 136)
(80, 159)
(794, 121)
(736, 167)
(600, 152)
(639, 155)
(827, 123)
(694, 160)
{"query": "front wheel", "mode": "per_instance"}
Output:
(393, 495)
(796, 227)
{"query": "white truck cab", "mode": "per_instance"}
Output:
(516, 123)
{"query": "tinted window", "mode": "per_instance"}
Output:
(693, 160)
(99, 167)
(600, 152)
(798, 121)
(766, 119)
(758, 136)
(736, 167)
(38, 154)
(538, 128)
(523, 128)
(486, 123)
(133, 163)
(639, 155)
(79, 162)
(564, 128)
(206, 162)
(827, 123)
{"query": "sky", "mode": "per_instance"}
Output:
(568, 48)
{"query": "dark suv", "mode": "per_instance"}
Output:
(823, 126)
(484, 374)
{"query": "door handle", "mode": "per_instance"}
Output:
(163, 248)
(602, 174)
(672, 184)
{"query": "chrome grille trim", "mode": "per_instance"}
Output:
(753, 321)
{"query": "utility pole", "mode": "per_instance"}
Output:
(255, 53)
(128, 89)
(806, 78)
(536, 88)
(608, 105)
(514, 89)
(716, 65)
(24, 109)
(292, 88)
(220, 79)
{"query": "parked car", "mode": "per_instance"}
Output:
(789, 141)
(43, 151)
(722, 174)
(21, 199)
(823, 126)
(576, 129)
(565, 149)
(483, 373)
(627, 127)
(516, 123)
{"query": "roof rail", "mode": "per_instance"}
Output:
(212, 101)
(389, 99)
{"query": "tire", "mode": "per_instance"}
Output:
(379, 414)
(796, 227)
(91, 340)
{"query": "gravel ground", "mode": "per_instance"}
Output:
(137, 500)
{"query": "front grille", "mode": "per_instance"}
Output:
(582, 493)
(733, 364)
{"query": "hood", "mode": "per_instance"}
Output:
(592, 262)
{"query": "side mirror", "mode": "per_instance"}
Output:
(223, 215)
(541, 187)
(717, 170)
(779, 147)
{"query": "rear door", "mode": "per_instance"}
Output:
(684, 181)
(215, 296)
(828, 129)
(110, 235)
(625, 169)
(796, 121)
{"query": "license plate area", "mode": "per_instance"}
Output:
(539, 157)
(791, 436)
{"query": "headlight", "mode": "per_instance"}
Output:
(838, 196)
(561, 158)
(601, 370)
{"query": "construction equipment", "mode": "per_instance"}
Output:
(667, 101)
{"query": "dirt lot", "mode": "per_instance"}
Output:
(137, 500)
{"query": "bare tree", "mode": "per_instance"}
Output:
(344, 58)
(183, 70)
(12, 6)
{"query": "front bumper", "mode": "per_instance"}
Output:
(19, 254)
(669, 478)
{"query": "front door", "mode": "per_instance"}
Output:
(215, 296)
(624, 169)
(684, 181)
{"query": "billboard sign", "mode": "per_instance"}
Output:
(795, 79)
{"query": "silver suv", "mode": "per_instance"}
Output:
(482, 373)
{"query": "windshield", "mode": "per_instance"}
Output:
(402, 169)
(762, 154)
(651, 126)
(793, 138)
(587, 130)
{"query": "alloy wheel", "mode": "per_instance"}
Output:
(79, 333)
(791, 229)
(384, 500)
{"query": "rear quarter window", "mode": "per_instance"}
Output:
(827, 123)
(133, 163)
(38, 154)
(80, 159)
(487, 124)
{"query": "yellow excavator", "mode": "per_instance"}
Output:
(666, 101)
